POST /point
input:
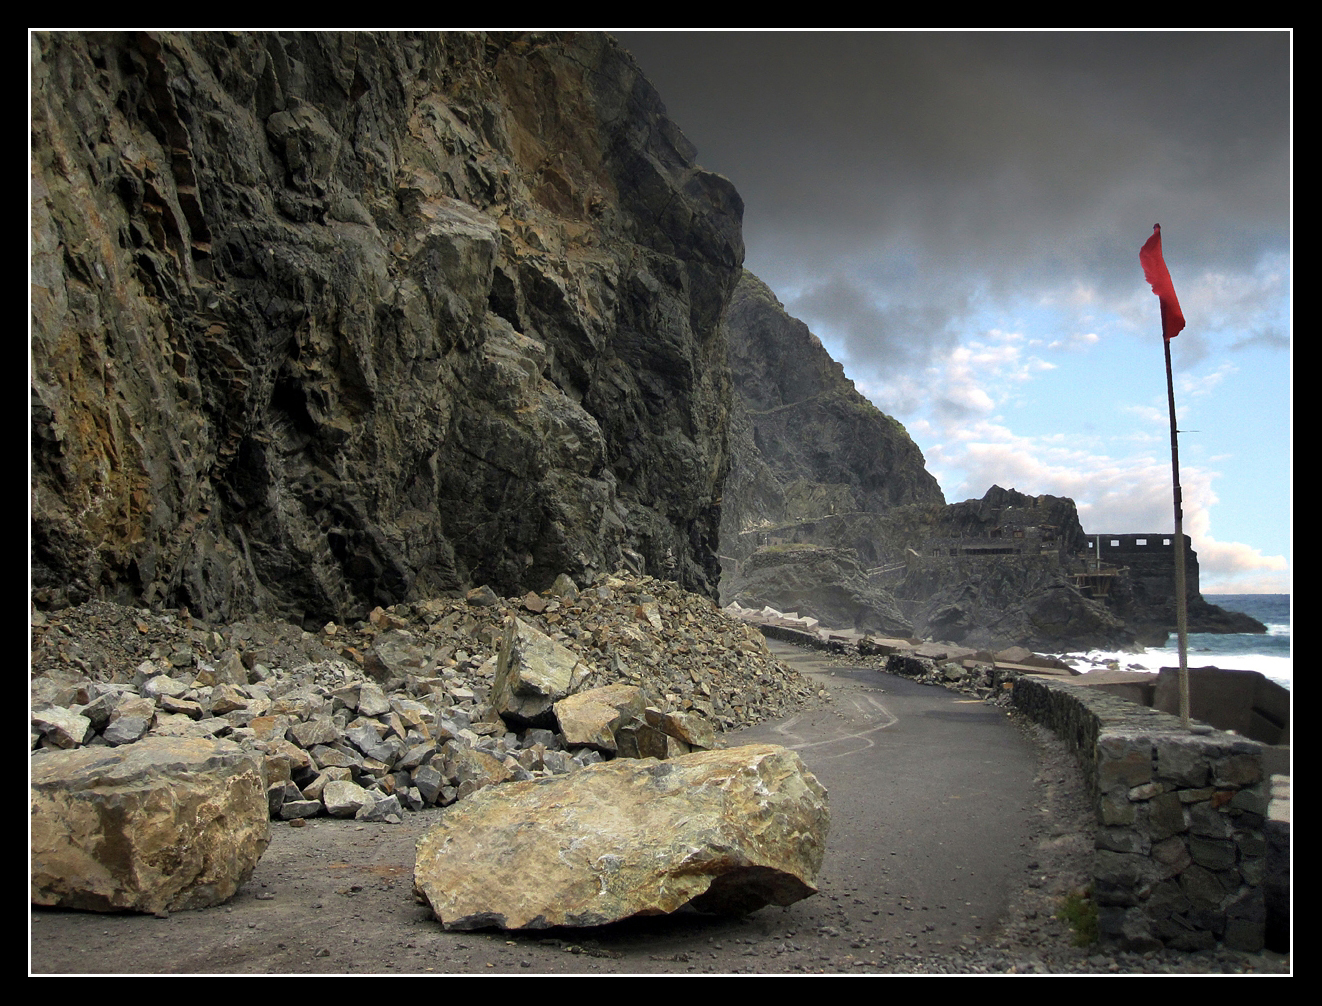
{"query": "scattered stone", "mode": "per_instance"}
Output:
(62, 728)
(534, 672)
(427, 730)
(564, 588)
(131, 719)
(639, 739)
(689, 728)
(592, 717)
(345, 799)
(387, 811)
(482, 597)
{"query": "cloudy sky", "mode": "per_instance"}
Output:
(958, 217)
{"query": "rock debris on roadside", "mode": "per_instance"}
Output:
(403, 711)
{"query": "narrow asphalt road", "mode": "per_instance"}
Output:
(932, 804)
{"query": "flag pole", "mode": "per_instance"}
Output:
(1181, 599)
(1172, 323)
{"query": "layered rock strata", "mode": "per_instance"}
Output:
(330, 321)
(826, 584)
(804, 441)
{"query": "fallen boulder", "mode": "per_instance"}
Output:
(591, 718)
(534, 672)
(167, 823)
(726, 831)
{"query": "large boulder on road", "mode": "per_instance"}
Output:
(726, 831)
(164, 824)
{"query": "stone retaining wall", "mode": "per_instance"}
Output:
(788, 634)
(1181, 853)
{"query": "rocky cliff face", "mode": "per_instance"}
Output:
(817, 582)
(829, 511)
(327, 321)
(996, 571)
(805, 443)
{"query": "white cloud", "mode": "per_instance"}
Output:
(1238, 300)
(963, 383)
(1120, 482)
(1219, 304)
(1263, 583)
(1076, 343)
(1196, 387)
(1217, 558)
(1148, 413)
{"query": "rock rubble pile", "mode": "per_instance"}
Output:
(959, 668)
(422, 704)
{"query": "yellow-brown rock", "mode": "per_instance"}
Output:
(164, 824)
(534, 672)
(592, 717)
(727, 831)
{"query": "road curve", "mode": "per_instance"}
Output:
(932, 801)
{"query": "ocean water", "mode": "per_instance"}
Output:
(1269, 654)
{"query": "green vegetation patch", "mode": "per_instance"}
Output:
(1079, 912)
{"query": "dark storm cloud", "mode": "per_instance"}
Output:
(902, 334)
(1270, 338)
(984, 164)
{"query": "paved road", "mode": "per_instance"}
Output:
(932, 797)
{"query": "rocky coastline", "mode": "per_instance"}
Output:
(399, 407)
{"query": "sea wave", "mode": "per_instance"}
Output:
(1277, 667)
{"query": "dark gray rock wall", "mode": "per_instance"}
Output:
(1025, 597)
(823, 583)
(807, 443)
(1005, 600)
(325, 321)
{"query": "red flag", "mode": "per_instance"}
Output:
(1156, 273)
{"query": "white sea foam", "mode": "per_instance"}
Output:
(1276, 667)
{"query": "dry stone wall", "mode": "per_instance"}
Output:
(1181, 850)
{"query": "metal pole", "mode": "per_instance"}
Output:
(1181, 604)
